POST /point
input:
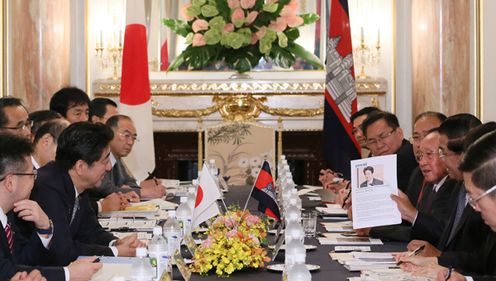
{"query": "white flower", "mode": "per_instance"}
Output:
(243, 162)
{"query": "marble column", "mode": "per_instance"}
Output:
(441, 56)
(40, 34)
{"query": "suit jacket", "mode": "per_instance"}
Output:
(415, 185)
(406, 163)
(26, 254)
(426, 216)
(433, 215)
(54, 192)
(113, 181)
(470, 233)
(374, 182)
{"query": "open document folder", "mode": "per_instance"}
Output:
(373, 180)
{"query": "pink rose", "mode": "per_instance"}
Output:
(294, 21)
(237, 15)
(254, 39)
(199, 25)
(254, 239)
(288, 11)
(247, 4)
(232, 233)
(229, 27)
(261, 32)
(233, 4)
(198, 40)
(252, 16)
(294, 4)
(184, 13)
(279, 25)
(251, 220)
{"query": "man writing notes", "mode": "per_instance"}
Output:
(81, 161)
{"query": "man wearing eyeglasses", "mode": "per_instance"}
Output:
(14, 118)
(21, 251)
(119, 178)
(385, 137)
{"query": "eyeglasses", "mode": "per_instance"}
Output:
(473, 202)
(23, 126)
(128, 136)
(428, 155)
(443, 153)
(380, 138)
(34, 174)
(416, 138)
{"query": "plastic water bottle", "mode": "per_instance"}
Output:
(158, 252)
(214, 171)
(141, 269)
(172, 231)
(192, 195)
(299, 272)
(184, 216)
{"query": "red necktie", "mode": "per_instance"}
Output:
(10, 237)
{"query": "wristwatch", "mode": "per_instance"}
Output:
(48, 231)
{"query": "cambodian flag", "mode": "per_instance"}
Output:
(265, 193)
(341, 99)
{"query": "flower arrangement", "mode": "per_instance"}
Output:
(234, 242)
(241, 32)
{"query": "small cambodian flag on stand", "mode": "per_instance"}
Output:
(340, 146)
(264, 192)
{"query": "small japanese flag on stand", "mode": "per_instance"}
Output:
(206, 198)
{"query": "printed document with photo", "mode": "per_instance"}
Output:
(373, 180)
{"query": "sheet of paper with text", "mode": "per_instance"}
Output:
(373, 180)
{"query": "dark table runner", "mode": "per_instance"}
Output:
(329, 269)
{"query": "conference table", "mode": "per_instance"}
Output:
(329, 269)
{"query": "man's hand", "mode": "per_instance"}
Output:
(151, 183)
(114, 202)
(364, 232)
(34, 275)
(407, 210)
(83, 269)
(153, 192)
(132, 196)
(126, 246)
(29, 210)
(414, 263)
(455, 276)
(428, 251)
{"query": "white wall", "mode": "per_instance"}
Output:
(488, 61)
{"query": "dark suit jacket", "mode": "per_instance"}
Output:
(432, 217)
(27, 253)
(374, 182)
(415, 185)
(113, 181)
(54, 192)
(470, 234)
(406, 163)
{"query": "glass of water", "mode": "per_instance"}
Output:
(309, 221)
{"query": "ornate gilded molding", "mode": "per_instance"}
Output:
(182, 113)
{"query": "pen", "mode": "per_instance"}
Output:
(413, 253)
(448, 274)
(154, 178)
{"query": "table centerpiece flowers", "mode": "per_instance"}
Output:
(234, 242)
(240, 32)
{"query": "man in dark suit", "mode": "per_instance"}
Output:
(119, 179)
(27, 249)
(81, 161)
(368, 172)
(385, 137)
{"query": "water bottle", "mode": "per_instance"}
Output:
(299, 272)
(192, 195)
(141, 269)
(158, 252)
(214, 171)
(184, 216)
(172, 231)
(295, 253)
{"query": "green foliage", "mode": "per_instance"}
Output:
(179, 27)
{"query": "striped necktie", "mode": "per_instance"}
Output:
(75, 209)
(10, 237)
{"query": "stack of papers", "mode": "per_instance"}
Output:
(143, 210)
(332, 211)
(387, 275)
(339, 239)
(116, 224)
(342, 226)
(357, 261)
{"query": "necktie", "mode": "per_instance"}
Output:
(10, 237)
(74, 210)
(458, 215)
